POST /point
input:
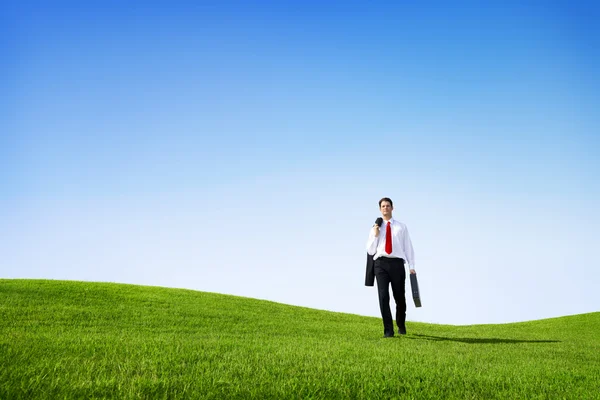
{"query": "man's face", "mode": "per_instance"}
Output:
(386, 209)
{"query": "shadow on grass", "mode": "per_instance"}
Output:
(478, 340)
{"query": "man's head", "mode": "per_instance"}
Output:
(386, 206)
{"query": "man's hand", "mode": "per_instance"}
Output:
(412, 271)
(376, 230)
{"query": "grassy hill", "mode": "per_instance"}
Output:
(99, 340)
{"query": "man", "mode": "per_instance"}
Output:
(390, 251)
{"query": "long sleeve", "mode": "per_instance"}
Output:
(372, 243)
(408, 250)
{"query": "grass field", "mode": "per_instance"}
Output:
(99, 340)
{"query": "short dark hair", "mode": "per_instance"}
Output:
(386, 199)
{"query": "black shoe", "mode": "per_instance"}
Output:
(388, 334)
(402, 329)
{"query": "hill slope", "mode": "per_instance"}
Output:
(100, 340)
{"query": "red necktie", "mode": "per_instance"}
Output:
(388, 238)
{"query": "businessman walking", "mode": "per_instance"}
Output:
(391, 251)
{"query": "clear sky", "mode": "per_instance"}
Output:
(242, 149)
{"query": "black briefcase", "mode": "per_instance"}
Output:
(370, 274)
(415, 290)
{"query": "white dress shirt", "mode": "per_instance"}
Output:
(401, 244)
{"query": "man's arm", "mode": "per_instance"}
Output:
(410, 253)
(373, 240)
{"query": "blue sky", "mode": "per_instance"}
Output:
(242, 149)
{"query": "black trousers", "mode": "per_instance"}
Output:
(391, 270)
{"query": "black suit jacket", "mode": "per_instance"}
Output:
(370, 274)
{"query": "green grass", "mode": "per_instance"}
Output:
(99, 340)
